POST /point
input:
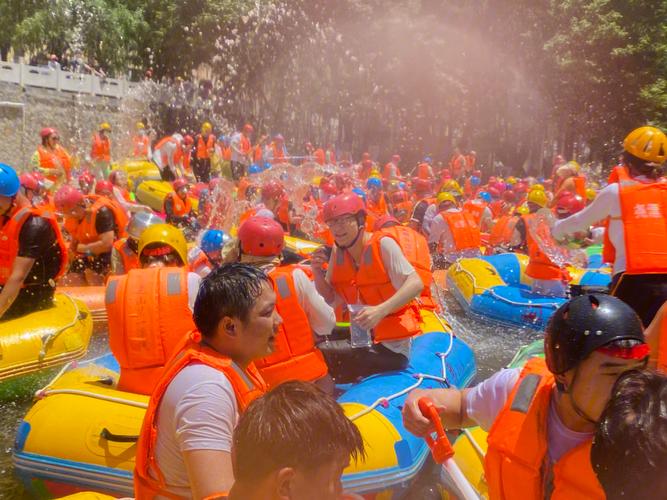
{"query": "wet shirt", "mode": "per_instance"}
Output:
(37, 240)
(104, 221)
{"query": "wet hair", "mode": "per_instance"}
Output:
(230, 290)
(629, 453)
(294, 425)
(642, 167)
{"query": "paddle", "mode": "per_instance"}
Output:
(442, 451)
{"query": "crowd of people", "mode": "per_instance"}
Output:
(241, 388)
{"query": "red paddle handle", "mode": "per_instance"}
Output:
(441, 449)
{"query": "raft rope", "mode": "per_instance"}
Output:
(47, 340)
(103, 397)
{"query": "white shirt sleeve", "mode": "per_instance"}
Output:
(194, 280)
(606, 204)
(430, 213)
(397, 266)
(320, 315)
(484, 401)
(438, 225)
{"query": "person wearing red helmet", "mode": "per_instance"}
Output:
(169, 154)
(369, 276)
(122, 195)
(274, 199)
(51, 159)
(178, 207)
(423, 190)
(241, 151)
(104, 188)
(93, 223)
(32, 188)
(32, 251)
(454, 233)
(365, 167)
(86, 182)
(305, 314)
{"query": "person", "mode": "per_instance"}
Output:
(305, 313)
(425, 171)
(33, 253)
(541, 418)
(184, 448)
(53, 63)
(274, 199)
(100, 151)
(33, 189)
(629, 452)
(93, 224)
(636, 237)
(86, 182)
(209, 254)
(241, 151)
(51, 159)
(178, 206)
(168, 155)
(150, 308)
(457, 164)
(471, 162)
(453, 232)
(656, 337)
(424, 194)
(205, 146)
(391, 170)
(277, 152)
(480, 210)
(569, 181)
(293, 439)
(369, 272)
(122, 195)
(365, 167)
(141, 143)
(125, 251)
(376, 201)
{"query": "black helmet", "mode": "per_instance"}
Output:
(584, 324)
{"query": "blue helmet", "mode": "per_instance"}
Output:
(402, 185)
(428, 159)
(9, 181)
(267, 165)
(483, 195)
(223, 139)
(254, 169)
(212, 240)
(475, 181)
(374, 182)
(360, 192)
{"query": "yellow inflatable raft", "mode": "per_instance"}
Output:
(153, 193)
(40, 342)
(137, 170)
(92, 296)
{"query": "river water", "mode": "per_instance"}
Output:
(494, 347)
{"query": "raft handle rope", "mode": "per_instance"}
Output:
(47, 339)
(77, 392)
(118, 438)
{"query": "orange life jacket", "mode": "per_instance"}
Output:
(179, 207)
(503, 230)
(257, 154)
(540, 266)
(101, 149)
(662, 346)
(370, 284)
(84, 231)
(475, 208)
(227, 153)
(295, 356)
(200, 264)
(9, 238)
(471, 160)
(416, 251)
(517, 450)
(278, 153)
(247, 214)
(282, 214)
(204, 147)
(247, 385)
(580, 186)
(390, 171)
(245, 145)
(456, 165)
(148, 319)
(378, 208)
(53, 159)
(618, 173)
(498, 208)
(465, 231)
(129, 258)
(178, 151)
(319, 156)
(141, 145)
(643, 212)
(424, 171)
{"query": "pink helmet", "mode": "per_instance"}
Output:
(29, 181)
(47, 131)
(104, 187)
(67, 198)
(180, 183)
(343, 204)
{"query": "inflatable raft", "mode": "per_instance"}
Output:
(80, 434)
(152, 192)
(496, 288)
(92, 296)
(34, 347)
(137, 170)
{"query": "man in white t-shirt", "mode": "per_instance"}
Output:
(541, 419)
(369, 271)
(186, 439)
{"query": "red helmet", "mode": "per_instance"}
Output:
(341, 180)
(67, 198)
(500, 186)
(103, 187)
(383, 220)
(86, 178)
(272, 190)
(343, 204)
(569, 203)
(189, 141)
(29, 181)
(509, 196)
(421, 185)
(327, 186)
(261, 237)
(521, 187)
(180, 183)
(248, 129)
(495, 194)
(400, 197)
(446, 174)
(365, 156)
(47, 131)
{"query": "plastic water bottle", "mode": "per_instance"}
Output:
(359, 336)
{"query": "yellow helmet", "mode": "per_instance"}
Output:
(452, 186)
(315, 181)
(444, 196)
(522, 209)
(105, 126)
(647, 143)
(375, 174)
(574, 165)
(591, 194)
(168, 235)
(538, 197)
(140, 126)
(206, 127)
(511, 180)
(539, 187)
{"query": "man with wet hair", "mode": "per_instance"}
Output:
(629, 452)
(293, 442)
(185, 444)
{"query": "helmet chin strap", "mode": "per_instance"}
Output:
(359, 232)
(574, 403)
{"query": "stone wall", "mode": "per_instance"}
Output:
(75, 116)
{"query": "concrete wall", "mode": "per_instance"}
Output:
(76, 116)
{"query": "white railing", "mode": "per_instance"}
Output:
(45, 77)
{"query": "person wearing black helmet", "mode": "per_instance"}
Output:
(541, 419)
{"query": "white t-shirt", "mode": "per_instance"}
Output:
(237, 150)
(398, 268)
(321, 316)
(441, 234)
(485, 401)
(165, 155)
(429, 215)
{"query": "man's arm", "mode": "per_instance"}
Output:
(103, 245)
(209, 471)
(20, 270)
